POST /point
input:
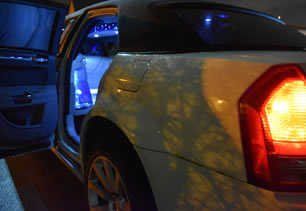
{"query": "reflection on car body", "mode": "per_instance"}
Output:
(182, 106)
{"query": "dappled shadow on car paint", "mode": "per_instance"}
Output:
(189, 126)
(191, 129)
(187, 143)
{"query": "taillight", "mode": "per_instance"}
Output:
(273, 126)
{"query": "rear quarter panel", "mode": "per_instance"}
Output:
(184, 123)
(186, 105)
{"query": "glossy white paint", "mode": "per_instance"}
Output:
(186, 108)
(180, 185)
(303, 31)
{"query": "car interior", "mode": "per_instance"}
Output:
(94, 56)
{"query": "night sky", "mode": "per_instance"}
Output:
(291, 11)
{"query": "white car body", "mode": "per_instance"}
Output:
(183, 121)
(167, 113)
(303, 32)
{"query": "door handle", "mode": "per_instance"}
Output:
(40, 60)
(26, 98)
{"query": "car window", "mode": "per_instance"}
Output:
(18, 29)
(200, 27)
(240, 30)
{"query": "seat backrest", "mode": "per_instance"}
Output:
(96, 66)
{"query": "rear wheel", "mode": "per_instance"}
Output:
(115, 181)
(106, 191)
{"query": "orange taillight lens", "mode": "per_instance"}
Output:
(286, 112)
(273, 129)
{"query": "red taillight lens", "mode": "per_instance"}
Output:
(273, 126)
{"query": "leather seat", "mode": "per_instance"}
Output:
(95, 68)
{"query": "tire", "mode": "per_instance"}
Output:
(135, 194)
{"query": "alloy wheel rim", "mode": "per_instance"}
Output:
(106, 191)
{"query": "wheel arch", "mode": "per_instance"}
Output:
(93, 136)
(92, 128)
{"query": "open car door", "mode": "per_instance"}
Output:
(29, 40)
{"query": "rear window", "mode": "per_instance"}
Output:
(25, 26)
(223, 29)
(199, 27)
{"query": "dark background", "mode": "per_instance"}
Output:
(290, 11)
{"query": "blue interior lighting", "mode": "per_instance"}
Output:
(207, 20)
(82, 92)
(110, 28)
(222, 16)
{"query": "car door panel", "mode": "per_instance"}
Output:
(29, 37)
(19, 69)
(22, 123)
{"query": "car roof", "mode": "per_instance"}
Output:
(135, 7)
(143, 22)
(91, 7)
